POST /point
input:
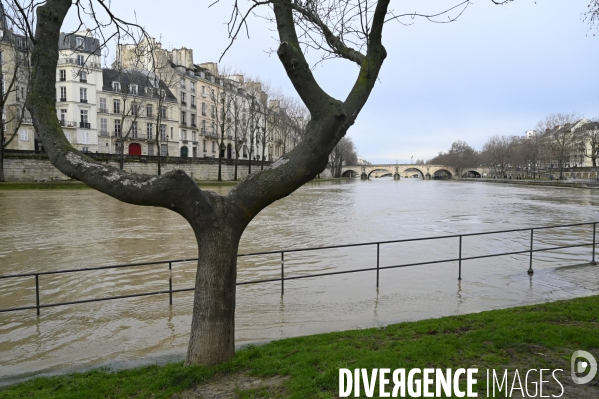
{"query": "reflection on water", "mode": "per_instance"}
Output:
(52, 230)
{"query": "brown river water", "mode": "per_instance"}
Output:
(43, 230)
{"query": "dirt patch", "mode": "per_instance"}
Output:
(228, 387)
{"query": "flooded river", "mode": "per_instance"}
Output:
(43, 230)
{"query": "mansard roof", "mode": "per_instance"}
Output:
(128, 77)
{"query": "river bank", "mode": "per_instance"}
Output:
(522, 338)
(573, 183)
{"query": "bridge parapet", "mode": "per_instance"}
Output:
(426, 171)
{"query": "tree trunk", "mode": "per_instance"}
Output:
(212, 338)
(122, 160)
(250, 162)
(236, 159)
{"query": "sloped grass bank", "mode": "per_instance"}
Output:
(530, 337)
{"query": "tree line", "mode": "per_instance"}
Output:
(559, 141)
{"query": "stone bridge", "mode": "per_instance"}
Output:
(399, 171)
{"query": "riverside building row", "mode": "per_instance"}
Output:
(153, 101)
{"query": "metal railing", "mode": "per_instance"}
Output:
(531, 250)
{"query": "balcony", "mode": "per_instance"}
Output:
(183, 123)
(63, 99)
(193, 89)
(103, 133)
(203, 113)
(63, 79)
(194, 125)
(26, 120)
(183, 103)
(184, 141)
(83, 100)
(83, 80)
(116, 134)
(85, 125)
(194, 106)
(103, 110)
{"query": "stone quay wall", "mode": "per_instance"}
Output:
(37, 167)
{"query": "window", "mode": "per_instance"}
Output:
(134, 130)
(84, 138)
(162, 132)
(163, 150)
(149, 110)
(63, 93)
(80, 60)
(63, 75)
(212, 111)
(83, 94)
(182, 83)
(183, 121)
(213, 146)
(203, 91)
(203, 127)
(117, 127)
(103, 107)
(163, 112)
(134, 109)
(204, 109)
(150, 150)
(133, 89)
(193, 101)
(117, 106)
(83, 76)
(116, 86)
(84, 121)
(103, 125)
(204, 145)
(193, 136)
(193, 120)
(79, 42)
(24, 135)
(149, 130)
(183, 134)
(183, 99)
(63, 117)
(1, 57)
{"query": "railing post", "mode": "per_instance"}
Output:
(282, 273)
(170, 283)
(594, 229)
(378, 246)
(530, 271)
(460, 261)
(37, 293)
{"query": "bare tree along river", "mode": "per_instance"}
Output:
(52, 230)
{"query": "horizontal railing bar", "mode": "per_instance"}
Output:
(86, 269)
(412, 239)
(278, 279)
(31, 274)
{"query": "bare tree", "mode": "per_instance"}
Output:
(344, 153)
(14, 78)
(559, 136)
(497, 151)
(354, 34)
(222, 102)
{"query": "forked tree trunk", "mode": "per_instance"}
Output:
(212, 338)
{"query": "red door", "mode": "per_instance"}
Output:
(134, 149)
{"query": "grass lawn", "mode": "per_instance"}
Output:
(530, 337)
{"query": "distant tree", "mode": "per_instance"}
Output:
(459, 156)
(344, 153)
(497, 151)
(559, 137)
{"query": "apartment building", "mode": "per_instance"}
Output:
(78, 79)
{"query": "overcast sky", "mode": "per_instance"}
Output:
(498, 70)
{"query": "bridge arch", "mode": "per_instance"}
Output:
(471, 174)
(442, 174)
(407, 172)
(350, 173)
(388, 170)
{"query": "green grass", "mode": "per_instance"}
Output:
(526, 337)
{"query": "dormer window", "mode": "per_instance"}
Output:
(80, 42)
(116, 86)
(133, 89)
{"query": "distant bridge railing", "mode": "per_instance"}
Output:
(170, 291)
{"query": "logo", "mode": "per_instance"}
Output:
(583, 362)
